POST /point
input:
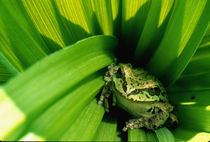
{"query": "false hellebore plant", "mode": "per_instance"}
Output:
(54, 54)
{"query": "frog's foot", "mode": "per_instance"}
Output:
(134, 124)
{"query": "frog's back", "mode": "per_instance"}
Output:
(145, 87)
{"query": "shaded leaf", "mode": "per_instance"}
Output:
(192, 82)
(134, 14)
(4, 74)
(153, 30)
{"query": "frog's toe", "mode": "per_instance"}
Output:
(101, 100)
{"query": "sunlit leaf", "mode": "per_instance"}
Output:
(153, 30)
(192, 106)
(137, 135)
(164, 135)
(20, 43)
(151, 136)
(61, 115)
(106, 130)
(49, 79)
(187, 25)
(103, 13)
(86, 124)
(200, 62)
(182, 134)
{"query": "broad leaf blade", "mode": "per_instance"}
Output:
(137, 135)
(20, 44)
(52, 77)
(151, 136)
(103, 13)
(106, 130)
(164, 135)
(153, 30)
(134, 13)
(4, 74)
(182, 134)
(61, 115)
(169, 60)
(74, 19)
(200, 62)
(192, 82)
(192, 106)
(86, 124)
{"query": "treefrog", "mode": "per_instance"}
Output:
(140, 94)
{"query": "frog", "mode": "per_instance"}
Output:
(140, 94)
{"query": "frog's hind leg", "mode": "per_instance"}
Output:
(134, 124)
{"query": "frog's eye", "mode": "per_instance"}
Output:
(151, 110)
(157, 90)
(135, 92)
(119, 73)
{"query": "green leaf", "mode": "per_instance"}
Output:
(20, 43)
(106, 130)
(164, 135)
(74, 19)
(182, 134)
(116, 16)
(49, 79)
(137, 135)
(192, 106)
(153, 30)
(4, 74)
(118, 138)
(151, 137)
(192, 82)
(200, 61)
(187, 25)
(103, 13)
(86, 124)
(134, 14)
(60, 23)
(61, 115)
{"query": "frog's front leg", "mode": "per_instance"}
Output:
(104, 98)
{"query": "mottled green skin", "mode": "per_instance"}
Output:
(138, 93)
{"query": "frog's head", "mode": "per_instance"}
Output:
(138, 85)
